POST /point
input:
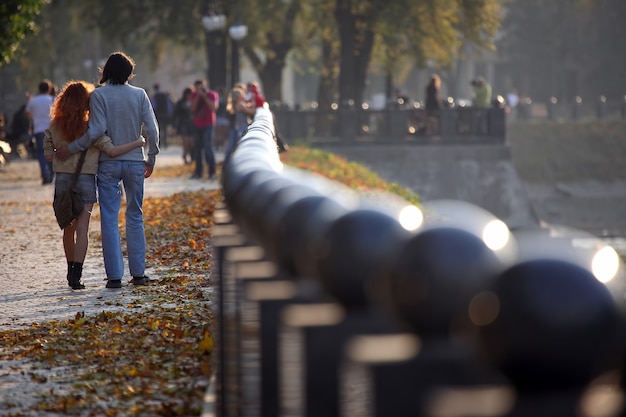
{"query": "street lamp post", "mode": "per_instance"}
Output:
(216, 48)
(237, 32)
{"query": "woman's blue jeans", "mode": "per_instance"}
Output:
(233, 138)
(111, 176)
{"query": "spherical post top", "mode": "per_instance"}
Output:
(550, 323)
(299, 231)
(357, 253)
(438, 273)
(213, 22)
(238, 31)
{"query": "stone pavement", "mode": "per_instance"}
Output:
(32, 263)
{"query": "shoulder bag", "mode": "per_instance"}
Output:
(67, 204)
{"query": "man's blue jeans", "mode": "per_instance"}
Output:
(203, 149)
(111, 174)
(45, 167)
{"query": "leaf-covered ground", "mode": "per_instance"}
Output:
(151, 359)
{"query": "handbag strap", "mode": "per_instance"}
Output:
(79, 167)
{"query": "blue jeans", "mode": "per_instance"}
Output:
(110, 176)
(45, 167)
(203, 149)
(233, 137)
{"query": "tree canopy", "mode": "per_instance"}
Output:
(17, 21)
(343, 35)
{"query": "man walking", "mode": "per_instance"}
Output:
(38, 109)
(123, 112)
(204, 103)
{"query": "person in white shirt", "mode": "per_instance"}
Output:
(38, 109)
(512, 100)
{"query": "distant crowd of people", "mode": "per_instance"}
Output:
(206, 119)
(433, 102)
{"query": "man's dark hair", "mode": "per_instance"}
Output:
(118, 69)
(44, 86)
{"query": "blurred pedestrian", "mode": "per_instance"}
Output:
(70, 114)
(204, 103)
(21, 137)
(183, 124)
(38, 109)
(5, 146)
(123, 112)
(254, 94)
(482, 100)
(222, 126)
(433, 104)
(512, 100)
(482, 92)
(163, 109)
(239, 113)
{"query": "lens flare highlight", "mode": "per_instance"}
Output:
(496, 234)
(605, 264)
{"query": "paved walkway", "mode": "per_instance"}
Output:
(32, 263)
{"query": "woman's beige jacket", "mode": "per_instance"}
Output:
(53, 139)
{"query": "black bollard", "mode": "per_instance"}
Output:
(234, 183)
(298, 232)
(239, 199)
(254, 199)
(551, 327)
(354, 255)
(439, 272)
(267, 215)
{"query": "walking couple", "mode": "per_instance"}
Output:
(107, 123)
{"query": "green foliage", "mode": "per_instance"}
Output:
(17, 21)
(431, 30)
(144, 26)
(393, 35)
(337, 168)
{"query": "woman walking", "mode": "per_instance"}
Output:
(70, 116)
(239, 111)
(183, 123)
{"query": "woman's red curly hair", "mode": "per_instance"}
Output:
(70, 110)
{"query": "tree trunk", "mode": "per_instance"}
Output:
(357, 41)
(272, 78)
(346, 23)
(279, 43)
(327, 89)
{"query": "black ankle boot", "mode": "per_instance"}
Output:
(70, 265)
(76, 275)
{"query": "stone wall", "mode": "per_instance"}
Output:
(536, 178)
